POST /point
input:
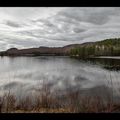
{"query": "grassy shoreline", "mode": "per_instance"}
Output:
(71, 102)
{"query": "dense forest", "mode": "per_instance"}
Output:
(108, 47)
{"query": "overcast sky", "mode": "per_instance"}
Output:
(56, 26)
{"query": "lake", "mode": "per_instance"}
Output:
(27, 75)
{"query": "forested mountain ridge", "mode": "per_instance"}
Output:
(108, 47)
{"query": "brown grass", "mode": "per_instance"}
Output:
(47, 102)
(44, 103)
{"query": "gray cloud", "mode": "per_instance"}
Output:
(12, 24)
(93, 15)
(60, 27)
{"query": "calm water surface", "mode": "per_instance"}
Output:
(26, 75)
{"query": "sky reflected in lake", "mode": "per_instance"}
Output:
(24, 75)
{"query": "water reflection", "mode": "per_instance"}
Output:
(108, 63)
(24, 75)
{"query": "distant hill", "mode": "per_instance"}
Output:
(108, 47)
(105, 47)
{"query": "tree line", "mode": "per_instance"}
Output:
(108, 47)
